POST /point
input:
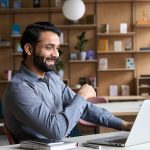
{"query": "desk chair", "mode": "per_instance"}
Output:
(96, 100)
(7, 133)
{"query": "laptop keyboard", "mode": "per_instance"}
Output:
(121, 141)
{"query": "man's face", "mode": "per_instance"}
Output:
(46, 52)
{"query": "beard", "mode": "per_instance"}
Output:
(40, 63)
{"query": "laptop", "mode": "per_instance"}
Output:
(139, 134)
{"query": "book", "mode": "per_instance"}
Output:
(105, 28)
(117, 46)
(123, 28)
(145, 48)
(145, 75)
(103, 45)
(130, 63)
(113, 90)
(16, 30)
(125, 90)
(103, 64)
(4, 3)
(47, 144)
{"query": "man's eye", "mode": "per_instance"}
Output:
(48, 47)
(58, 48)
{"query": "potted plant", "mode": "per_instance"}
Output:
(80, 46)
(60, 65)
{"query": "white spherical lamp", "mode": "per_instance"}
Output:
(73, 9)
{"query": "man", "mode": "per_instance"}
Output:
(37, 104)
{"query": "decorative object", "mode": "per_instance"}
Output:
(90, 19)
(73, 55)
(103, 45)
(58, 3)
(144, 15)
(73, 9)
(117, 46)
(17, 4)
(130, 63)
(90, 54)
(82, 80)
(123, 28)
(77, 86)
(105, 28)
(128, 45)
(83, 55)
(103, 64)
(80, 45)
(144, 19)
(18, 47)
(36, 3)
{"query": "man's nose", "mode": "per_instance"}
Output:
(55, 52)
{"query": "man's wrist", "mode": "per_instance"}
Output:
(127, 126)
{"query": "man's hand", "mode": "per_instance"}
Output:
(87, 92)
(127, 125)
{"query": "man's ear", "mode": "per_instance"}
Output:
(28, 48)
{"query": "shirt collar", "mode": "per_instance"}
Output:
(28, 75)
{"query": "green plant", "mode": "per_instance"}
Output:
(59, 62)
(81, 42)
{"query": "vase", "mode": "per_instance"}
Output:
(82, 55)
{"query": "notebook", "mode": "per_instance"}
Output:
(48, 144)
(139, 134)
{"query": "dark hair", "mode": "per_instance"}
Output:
(32, 33)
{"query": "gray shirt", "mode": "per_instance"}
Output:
(47, 108)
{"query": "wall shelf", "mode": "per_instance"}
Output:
(116, 34)
(116, 70)
(82, 61)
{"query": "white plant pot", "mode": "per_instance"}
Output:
(61, 73)
(83, 55)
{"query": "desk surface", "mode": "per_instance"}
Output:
(124, 98)
(83, 139)
(122, 108)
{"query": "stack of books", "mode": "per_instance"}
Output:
(48, 144)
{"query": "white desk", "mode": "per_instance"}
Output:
(83, 139)
(124, 98)
(122, 108)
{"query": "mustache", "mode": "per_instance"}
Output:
(52, 58)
